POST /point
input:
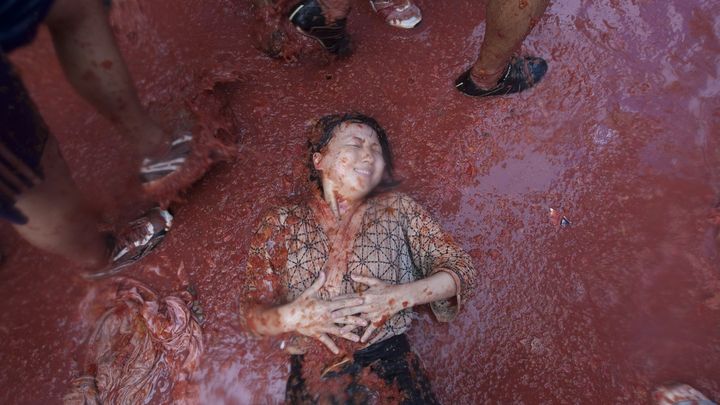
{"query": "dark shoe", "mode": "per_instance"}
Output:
(521, 74)
(308, 18)
(153, 170)
(136, 241)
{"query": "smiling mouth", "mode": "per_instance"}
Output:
(364, 172)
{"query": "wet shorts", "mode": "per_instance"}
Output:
(391, 360)
(19, 20)
(23, 135)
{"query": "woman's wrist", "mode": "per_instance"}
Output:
(437, 287)
(286, 318)
(271, 320)
(405, 295)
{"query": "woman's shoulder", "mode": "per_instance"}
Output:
(285, 214)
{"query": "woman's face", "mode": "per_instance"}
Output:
(352, 163)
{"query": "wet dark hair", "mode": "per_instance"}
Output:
(323, 132)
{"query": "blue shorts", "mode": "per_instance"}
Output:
(19, 20)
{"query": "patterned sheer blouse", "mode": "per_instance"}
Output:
(390, 237)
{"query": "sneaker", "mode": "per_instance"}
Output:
(308, 18)
(679, 394)
(398, 13)
(521, 74)
(155, 169)
(136, 241)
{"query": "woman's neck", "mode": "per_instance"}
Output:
(339, 205)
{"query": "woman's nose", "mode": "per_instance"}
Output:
(367, 155)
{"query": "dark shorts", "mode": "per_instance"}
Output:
(19, 20)
(23, 135)
(391, 360)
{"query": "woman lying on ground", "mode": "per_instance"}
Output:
(350, 262)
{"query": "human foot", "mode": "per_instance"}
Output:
(155, 170)
(307, 16)
(135, 241)
(398, 13)
(520, 74)
(679, 394)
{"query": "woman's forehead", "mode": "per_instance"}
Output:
(355, 129)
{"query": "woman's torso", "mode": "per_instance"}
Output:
(371, 243)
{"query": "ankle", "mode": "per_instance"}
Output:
(487, 78)
(334, 12)
(147, 137)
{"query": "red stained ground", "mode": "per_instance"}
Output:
(621, 137)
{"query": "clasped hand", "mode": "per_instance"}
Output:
(312, 316)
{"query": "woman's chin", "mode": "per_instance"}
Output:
(358, 190)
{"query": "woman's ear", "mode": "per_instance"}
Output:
(317, 160)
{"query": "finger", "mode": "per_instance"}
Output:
(340, 313)
(325, 339)
(351, 302)
(12, 181)
(6, 193)
(334, 330)
(351, 320)
(346, 296)
(315, 287)
(347, 328)
(368, 332)
(371, 281)
(22, 168)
